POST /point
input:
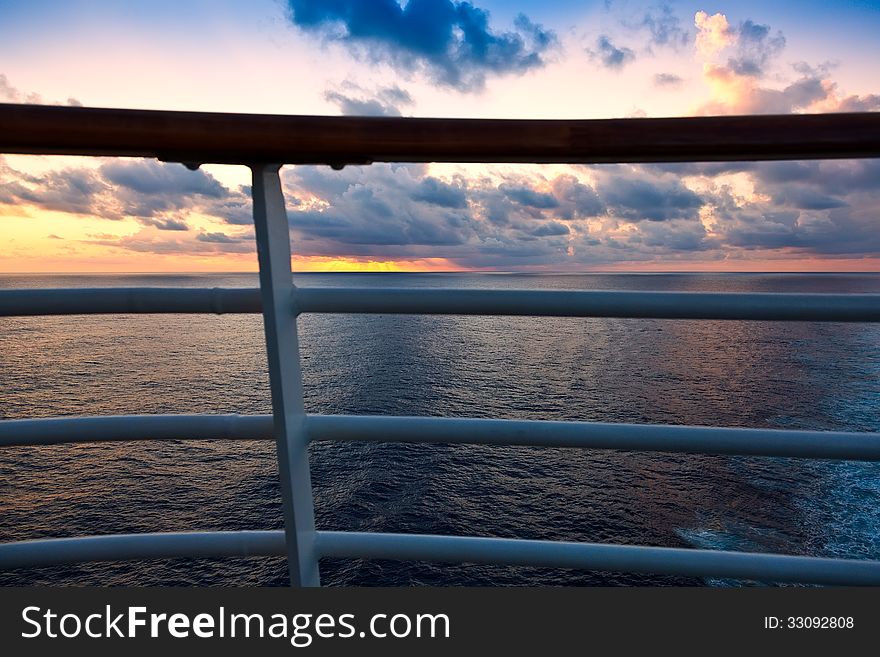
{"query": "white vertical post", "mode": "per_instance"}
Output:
(285, 377)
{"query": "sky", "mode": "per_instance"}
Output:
(445, 58)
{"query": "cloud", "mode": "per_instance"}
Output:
(360, 107)
(72, 190)
(9, 94)
(402, 212)
(164, 224)
(148, 241)
(635, 198)
(826, 208)
(452, 41)
(150, 177)
(437, 192)
(804, 198)
(665, 27)
(667, 80)
(713, 33)
(217, 238)
(674, 236)
(813, 92)
(737, 80)
(491, 217)
(551, 228)
(576, 199)
(753, 44)
(381, 205)
(529, 197)
(869, 103)
(235, 208)
(505, 220)
(609, 55)
(755, 48)
(155, 194)
(741, 94)
(353, 101)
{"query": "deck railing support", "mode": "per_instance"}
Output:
(285, 377)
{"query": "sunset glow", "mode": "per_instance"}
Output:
(487, 59)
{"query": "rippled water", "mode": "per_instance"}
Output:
(750, 374)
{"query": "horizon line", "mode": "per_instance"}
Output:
(451, 271)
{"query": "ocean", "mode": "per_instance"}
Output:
(823, 376)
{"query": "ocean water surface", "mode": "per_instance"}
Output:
(751, 374)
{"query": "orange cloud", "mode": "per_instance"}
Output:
(713, 33)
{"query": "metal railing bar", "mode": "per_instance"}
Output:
(202, 137)
(597, 435)
(560, 303)
(454, 549)
(106, 428)
(583, 303)
(862, 446)
(272, 232)
(130, 547)
(85, 301)
(599, 557)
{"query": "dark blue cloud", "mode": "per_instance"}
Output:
(350, 106)
(452, 39)
(377, 207)
(675, 235)
(576, 200)
(77, 191)
(152, 177)
(432, 190)
(154, 193)
(151, 191)
(609, 55)
(217, 238)
(529, 197)
(805, 198)
(550, 228)
(637, 198)
(664, 27)
(756, 47)
(353, 101)
(165, 224)
(830, 177)
(785, 172)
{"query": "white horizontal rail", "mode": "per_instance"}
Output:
(578, 303)
(597, 435)
(53, 431)
(454, 549)
(129, 547)
(441, 301)
(602, 557)
(373, 428)
(89, 301)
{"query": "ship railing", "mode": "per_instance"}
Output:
(263, 143)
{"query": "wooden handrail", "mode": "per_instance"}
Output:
(203, 137)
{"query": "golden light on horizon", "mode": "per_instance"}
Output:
(350, 264)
